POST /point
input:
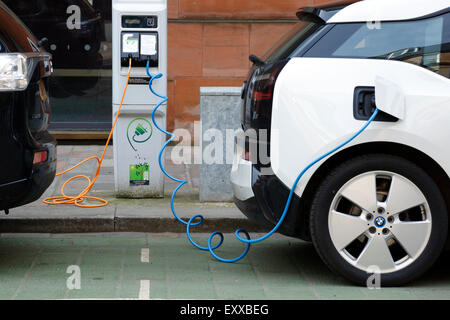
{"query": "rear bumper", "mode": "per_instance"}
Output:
(262, 198)
(43, 174)
(241, 170)
(241, 183)
(31, 188)
(250, 208)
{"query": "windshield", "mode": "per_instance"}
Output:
(290, 41)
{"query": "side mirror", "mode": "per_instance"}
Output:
(43, 43)
(389, 97)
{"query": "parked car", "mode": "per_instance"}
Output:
(28, 164)
(380, 204)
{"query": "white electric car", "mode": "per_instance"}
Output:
(381, 203)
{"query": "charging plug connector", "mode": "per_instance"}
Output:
(389, 98)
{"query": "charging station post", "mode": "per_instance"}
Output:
(139, 33)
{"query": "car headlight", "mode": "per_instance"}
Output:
(13, 72)
(16, 69)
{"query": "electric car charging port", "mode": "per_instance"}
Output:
(365, 105)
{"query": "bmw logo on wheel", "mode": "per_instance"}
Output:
(380, 222)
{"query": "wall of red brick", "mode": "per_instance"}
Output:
(209, 42)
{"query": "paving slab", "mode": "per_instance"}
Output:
(121, 215)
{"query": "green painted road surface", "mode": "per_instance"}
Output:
(166, 266)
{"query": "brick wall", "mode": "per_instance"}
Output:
(209, 45)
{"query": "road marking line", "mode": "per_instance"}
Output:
(144, 290)
(145, 255)
(27, 274)
(122, 266)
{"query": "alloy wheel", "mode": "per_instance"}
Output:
(380, 219)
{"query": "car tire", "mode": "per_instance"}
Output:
(420, 231)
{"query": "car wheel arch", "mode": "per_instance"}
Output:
(429, 165)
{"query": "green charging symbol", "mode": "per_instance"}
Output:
(139, 131)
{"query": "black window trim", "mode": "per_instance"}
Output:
(320, 33)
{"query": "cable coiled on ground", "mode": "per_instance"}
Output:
(198, 219)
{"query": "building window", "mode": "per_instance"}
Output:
(79, 38)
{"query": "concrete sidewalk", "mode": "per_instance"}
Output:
(121, 215)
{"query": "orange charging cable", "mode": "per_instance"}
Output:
(79, 199)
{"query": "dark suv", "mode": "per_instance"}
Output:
(28, 164)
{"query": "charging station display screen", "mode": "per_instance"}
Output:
(142, 47)
(148, 44)
(130, 43)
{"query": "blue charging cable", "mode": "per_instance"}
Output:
(198, 219)
(181, 182)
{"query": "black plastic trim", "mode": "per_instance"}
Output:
(251, 210)
(300, 52)
(9, 184)
(310, 14)
(365, 115)
(271, 195)
(318, 15)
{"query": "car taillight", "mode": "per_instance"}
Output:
(247, 151)
(261, 89)
(246, 155)
(262, 95)
(264, 85)
(40, 157)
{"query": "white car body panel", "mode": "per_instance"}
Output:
(241, 170)
(389, 97)
(313, 112)
(388, 10)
